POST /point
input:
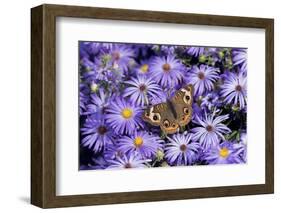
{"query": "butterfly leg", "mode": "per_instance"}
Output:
(182, 128)
(163, 135)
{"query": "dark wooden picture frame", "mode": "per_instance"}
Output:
(43, 105)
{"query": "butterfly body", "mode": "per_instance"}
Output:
(174, 113)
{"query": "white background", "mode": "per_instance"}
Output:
(15, 105)
(69, 181)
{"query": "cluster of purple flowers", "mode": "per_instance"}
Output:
(119, 81)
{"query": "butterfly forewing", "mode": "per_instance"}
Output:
(182, 102)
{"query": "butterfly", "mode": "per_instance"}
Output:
(174, 113)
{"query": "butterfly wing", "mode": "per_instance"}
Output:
(161, 115)
(154, 114)
(184, 114)
(182, 102)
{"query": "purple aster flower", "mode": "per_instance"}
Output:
(239, 57)
(143, 68)
(141, 90)
(121, 56)
(195, 51)
(94, 86)
(167, 71)
(112, 151)
(82, 103)
(100, 163)
(234, 89)
(212, 49)
(168, 49)
(108, 71)
(243, 137)
(83, 53)
(162, 97)
(146, 145)
(128, 162)
(143, 50)
(212, 55)
(102, 70)
(95, 134)
(224, 153)
(98, 102)
(97, 47)
(87, 64)
(83, 98)
(202, 78)
(197, 111)
(84, 167)
(211, 100)
(123, 116)
(242, 146)
(181, 150)
(211, 130)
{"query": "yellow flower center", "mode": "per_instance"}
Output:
(127, 113)
(88, 69)
(94, 87)
(138, 141)
(144, 68)
(224, 152)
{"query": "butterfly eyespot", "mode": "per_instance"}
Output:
(166, 123)
(187, 97)
(174, 125)
(147, 114)
(185, 110)
(183, 118)
(155, 117)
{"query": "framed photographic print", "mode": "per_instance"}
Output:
(136, 106)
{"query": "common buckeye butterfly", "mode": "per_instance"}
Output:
(174, 113)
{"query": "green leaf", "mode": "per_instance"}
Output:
(238, 136)
(232, 135)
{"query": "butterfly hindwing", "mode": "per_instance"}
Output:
(184, 113)
(183, 96)
(182, 102)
